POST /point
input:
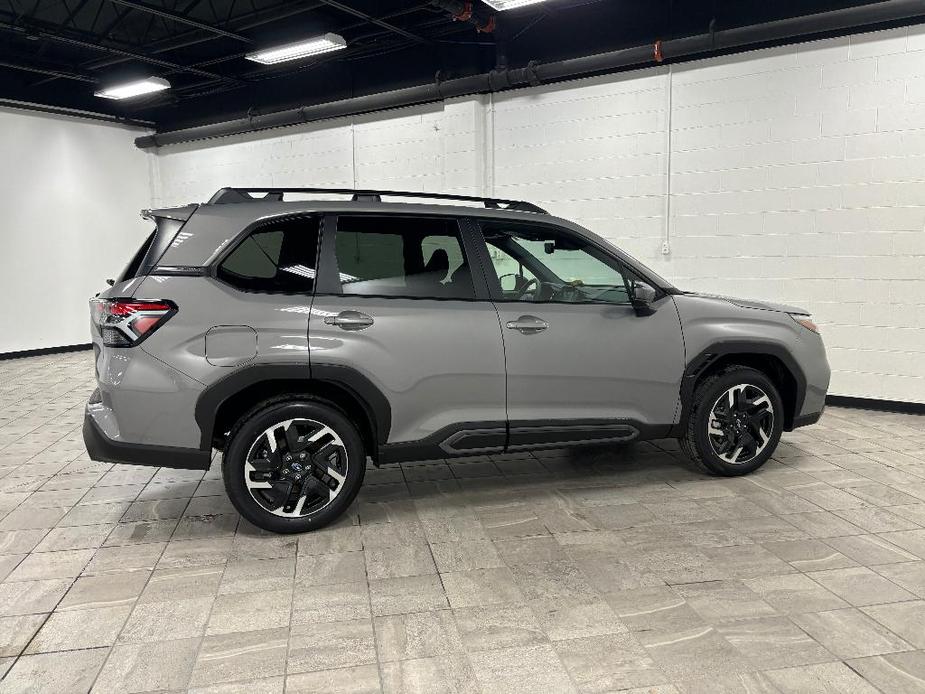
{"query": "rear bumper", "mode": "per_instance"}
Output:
(105, 450)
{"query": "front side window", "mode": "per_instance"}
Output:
(278, 257)
(402, 257)
(541, 264)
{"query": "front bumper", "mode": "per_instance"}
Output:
(804, 420)
(106, 450)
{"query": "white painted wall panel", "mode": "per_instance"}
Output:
(71, 191)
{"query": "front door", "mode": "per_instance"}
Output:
(581, 364)
(397, 303)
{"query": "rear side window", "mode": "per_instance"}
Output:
(279, 257)
(402, 257)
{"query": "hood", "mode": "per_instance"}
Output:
(749, 303)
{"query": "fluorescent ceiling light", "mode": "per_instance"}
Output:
(502, 5)
(299, 49)
(130, 89)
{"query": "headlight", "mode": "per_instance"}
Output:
(805, 321)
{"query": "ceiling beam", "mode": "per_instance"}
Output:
(180, 19)
(63, 74)
(373, 20)
(60, 38)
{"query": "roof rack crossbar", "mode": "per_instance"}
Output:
(234, 195)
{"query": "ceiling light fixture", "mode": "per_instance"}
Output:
(131, 89)
(502, 5)
(298, 50)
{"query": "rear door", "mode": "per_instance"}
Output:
(396, 302)
(581, 365)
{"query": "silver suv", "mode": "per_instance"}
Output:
(301, 337)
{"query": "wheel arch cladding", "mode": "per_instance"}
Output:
(771, 359)
(222, 403)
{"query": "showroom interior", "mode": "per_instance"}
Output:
(768, 150)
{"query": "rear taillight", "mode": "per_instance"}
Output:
(126, 322)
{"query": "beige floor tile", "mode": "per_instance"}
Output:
(164, 621)
(363, 679)
(410, 594)
(166, 585)
(849, 633)
(331, 645)
(418, 635)
(30, 597)
(250, 612)
(651, 609)
(609, 663)
(78, 629)
(148, 667)
(451, 674)
(479, 587)
(828, 678)
(896, 672)
(253, 576)
(905, 619)
(773, 642)
(793, 594)
(909, 575)
(692, 653)
(331, 569)
(522, 669)
(331, 603)
(722, 601)
(77, 537)
(45, 565)
(261, 685)
(870, 550)
(65, 672)
(125, 558)
(861, 586)
(240, 657)
(16, 632)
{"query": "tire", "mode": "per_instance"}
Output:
(314, 485)
(754, 414)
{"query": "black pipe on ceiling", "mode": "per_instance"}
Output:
(536, 73)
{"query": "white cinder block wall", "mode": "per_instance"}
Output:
(797, 174)
(70, 193)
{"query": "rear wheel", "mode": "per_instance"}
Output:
(735, 422)
(293, 465)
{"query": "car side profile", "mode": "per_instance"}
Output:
(302, 337)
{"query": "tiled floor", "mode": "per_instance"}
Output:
(594, 571)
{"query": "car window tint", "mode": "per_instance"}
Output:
(277, 258)
(542, 264)
(402, 257)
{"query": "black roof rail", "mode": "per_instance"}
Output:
(234, 195)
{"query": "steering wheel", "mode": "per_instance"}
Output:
(569, 291)
(526, 288)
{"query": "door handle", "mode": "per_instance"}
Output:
(349, 320)
(527, 325)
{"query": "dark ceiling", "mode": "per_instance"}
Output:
(57, 52)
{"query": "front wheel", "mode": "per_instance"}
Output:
(293, 465)
(735, 422)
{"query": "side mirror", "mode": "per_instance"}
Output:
(643, 298)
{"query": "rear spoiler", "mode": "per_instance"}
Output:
(180, 214)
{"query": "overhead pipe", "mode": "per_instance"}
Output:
(536, 73)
